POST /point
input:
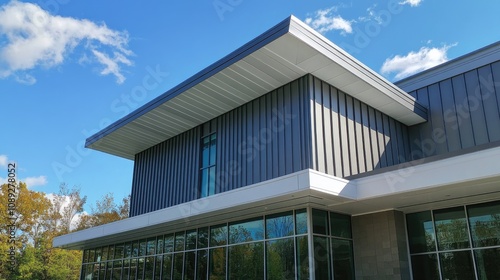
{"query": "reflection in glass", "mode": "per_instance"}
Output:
(166, 273)
(143, 247)
(117, 270)
(201, 265)
(421, 232)
(149, 266)
(126, 268)
(301, 221)
(98, 254)
(321, 258)
(135, 248)
(451, 228)
(217, 264)
(127, 250)
(189, 265)
(280, 259)
(246, 261)
(191, 239)
(203, 237)
(178, 263)
(425, 267)
(343, 259)
(457, 265)
(158, 265)
(151, 247)
(302, 258)
(279, 225)
(487, 263)
(169, 243)
(218, 235)
(320, 221)
(484, 220)
(160, 245)
(248, 230)
(104, 254)
(133, 268)
(340, 225)
(140, 268)
(119, 251)
(179, 241)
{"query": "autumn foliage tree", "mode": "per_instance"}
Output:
(40, 217)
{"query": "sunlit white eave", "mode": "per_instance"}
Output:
(282, 54)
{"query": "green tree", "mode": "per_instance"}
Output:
(105, 211)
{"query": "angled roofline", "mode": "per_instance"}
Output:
(163, 117)
(451, 68)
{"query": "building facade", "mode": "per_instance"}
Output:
(290, 159)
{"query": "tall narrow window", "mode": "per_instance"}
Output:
(208, 153)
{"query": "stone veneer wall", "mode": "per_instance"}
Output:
(380, 250)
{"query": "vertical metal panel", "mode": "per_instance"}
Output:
(449, 114)
(327, 128)
(367, 143)
(337, 150)
(318, 136)
(255, 142)
(344, 139)
(437, 116)
(495, 70)
(488, 96)
(476, 107)
(374, 137)
(358, 126)
(382, 147)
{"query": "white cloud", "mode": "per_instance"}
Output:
(3, 161)
(414, 62)
(34, 38)
(412, 3)
(35, 181)
(324, 21)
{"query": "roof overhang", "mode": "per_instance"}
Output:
(282, 54)
(415, 186)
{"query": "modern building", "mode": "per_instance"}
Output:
(290, 159)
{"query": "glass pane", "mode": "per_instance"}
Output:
(451, 228)
(484, 220)
(425, 267)
(487, 262)
(169, 243)
(191, 239)
(343, 259)
(204, 183)
(178, 264)
(160, 244)
(98, 254)
(301, 221)
(127, 250)
(457, 265)
(85, 256)
(117, 270)
(126, 269)
(279, 225)
(143, 245)
(151, 246)
(321, 258)
(280, 259)
(140, 268)
(158, 265)
(218, 235)
(135, 248)
(133, 268)
(302, 258)
(91, 255)
(211, 181)
(111, 252)
(213, 149)
(217, 264)
(104, 254)
(246, 261)
(201, 265)
(421, 232)
(166, 273)
(248, 230)
(203, 237)
(119, 251)
(179, 241)
(149, 268)
(189, 265)
(320, 221)
(205, 153)
(340, 225)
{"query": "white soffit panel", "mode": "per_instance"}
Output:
(284, 53)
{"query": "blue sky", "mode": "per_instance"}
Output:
(69, 68)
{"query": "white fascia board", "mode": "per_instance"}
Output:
(419, 176)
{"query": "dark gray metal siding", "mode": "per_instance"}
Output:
(464, 112)
(266, 138)
(349, 137)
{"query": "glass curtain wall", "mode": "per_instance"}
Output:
(271, 247)
(455, 243)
